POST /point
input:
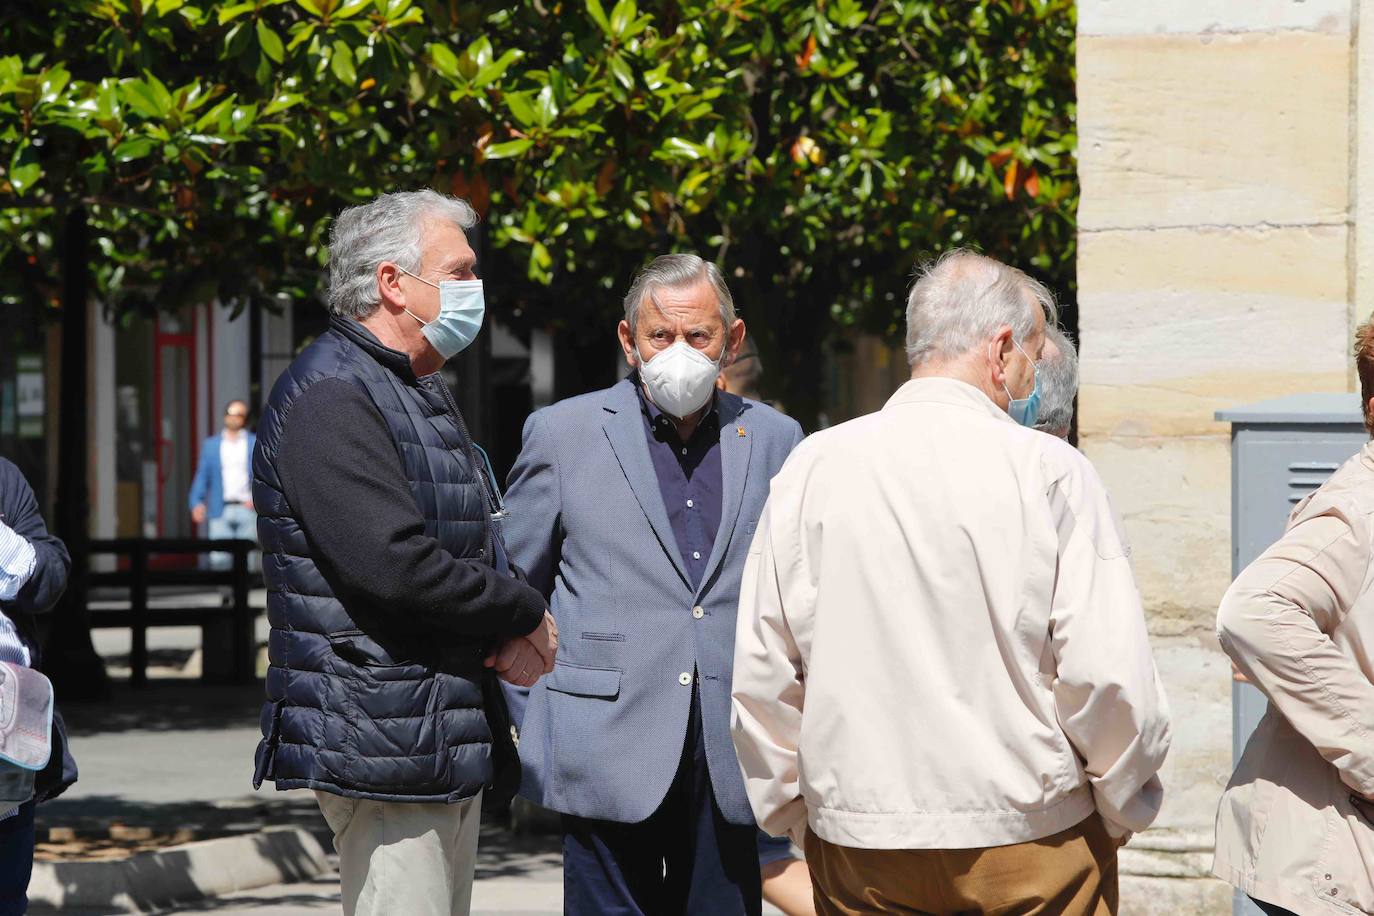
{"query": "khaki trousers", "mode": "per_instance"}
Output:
(1072, 873)
(398, 857)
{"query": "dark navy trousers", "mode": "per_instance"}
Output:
(685, 859)
(16, 860)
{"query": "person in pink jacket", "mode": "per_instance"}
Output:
(1295, 829)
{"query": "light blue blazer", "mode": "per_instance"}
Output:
(602, 735)
(208, 484)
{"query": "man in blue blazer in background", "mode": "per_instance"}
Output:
(632, 510)
(222, 490)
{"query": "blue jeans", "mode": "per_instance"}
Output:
(235, 522)
(16, 860)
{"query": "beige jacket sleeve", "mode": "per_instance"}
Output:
(1274, 623)
(1107, 694)
(767, 692)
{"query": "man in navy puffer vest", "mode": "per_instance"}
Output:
(392, 606)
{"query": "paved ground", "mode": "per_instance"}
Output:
(179, 754)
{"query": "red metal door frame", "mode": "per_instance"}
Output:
(161, 445)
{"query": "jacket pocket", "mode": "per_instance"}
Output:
(604, 637)
(584, 682)
(267, 750)
(362, 651)
(1341, 878)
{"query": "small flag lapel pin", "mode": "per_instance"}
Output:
(739, 430)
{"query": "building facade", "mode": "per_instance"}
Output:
(1220, 263)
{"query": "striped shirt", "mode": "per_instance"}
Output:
(17, 562)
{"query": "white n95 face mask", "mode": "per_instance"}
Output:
(680, 378)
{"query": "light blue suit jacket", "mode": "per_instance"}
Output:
(603, 734)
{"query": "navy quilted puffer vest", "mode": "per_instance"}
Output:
(345, 712)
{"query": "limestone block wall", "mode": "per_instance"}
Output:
(1217, 141)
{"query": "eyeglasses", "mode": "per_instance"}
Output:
(234, 413)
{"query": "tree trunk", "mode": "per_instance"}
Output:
(70, 658)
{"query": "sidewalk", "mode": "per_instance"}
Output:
(174, 761)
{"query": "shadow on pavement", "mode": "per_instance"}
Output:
(169, 705)
(95, 814)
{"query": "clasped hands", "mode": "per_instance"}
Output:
(522, 660)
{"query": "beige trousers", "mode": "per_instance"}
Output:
(398, 857)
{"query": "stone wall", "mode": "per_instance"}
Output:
(1217, 266)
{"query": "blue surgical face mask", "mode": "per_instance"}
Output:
(1025, 410)
(462, 305)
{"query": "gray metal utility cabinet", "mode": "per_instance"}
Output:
(1281, 450)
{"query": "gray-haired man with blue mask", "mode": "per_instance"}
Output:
(942, 680)
(392, 607)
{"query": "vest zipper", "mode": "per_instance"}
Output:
(479, 470)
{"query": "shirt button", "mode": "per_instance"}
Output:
(689, 504)
(684, 679)
(696, 554)
(698, 613)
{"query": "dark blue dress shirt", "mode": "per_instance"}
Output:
(689, 479)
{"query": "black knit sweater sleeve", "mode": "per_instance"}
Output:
(343, 478)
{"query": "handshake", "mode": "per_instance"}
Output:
(522, 660)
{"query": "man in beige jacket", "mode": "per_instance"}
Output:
(942, 676)
(1295, 829)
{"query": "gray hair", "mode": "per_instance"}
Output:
(677, 271)
(1058, 383)
(390, 228)
(963, 298)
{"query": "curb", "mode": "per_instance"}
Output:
(148, 881)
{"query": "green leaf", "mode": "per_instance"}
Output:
(301, 32)
(691, 183)
(270, 42)
(508, 149)
(341, 63)
(547, 107)
(490, 73)
(621, 71)
(621, 17)
(680, 148)
(349, 10)
(699, 110)
(25, 169)
(233, 11)
(522, 108)
(282, 102)
(583, 104)
(214, 116)
(443, 58)
(598, 14)
(135, 148)
(140, 97)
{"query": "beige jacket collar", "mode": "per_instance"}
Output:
(945, 390)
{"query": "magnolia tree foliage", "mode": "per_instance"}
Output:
(817, 151)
